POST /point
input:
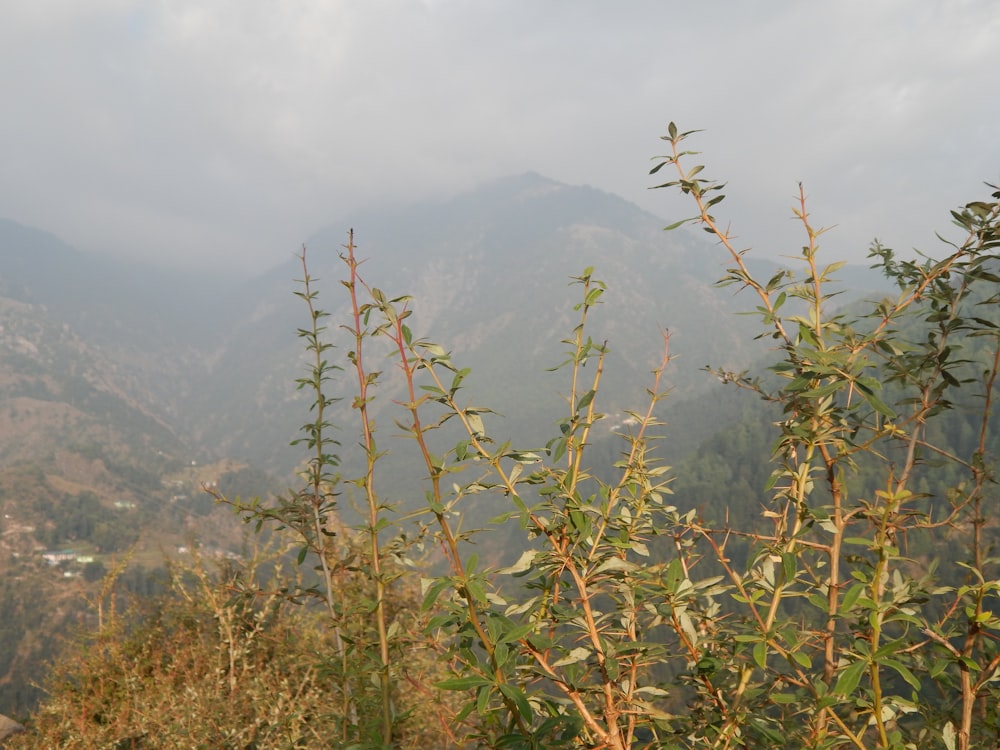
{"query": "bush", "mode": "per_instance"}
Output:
(215, 662)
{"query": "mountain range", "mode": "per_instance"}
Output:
(123, 387)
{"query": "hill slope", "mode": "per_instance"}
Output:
(115, 379)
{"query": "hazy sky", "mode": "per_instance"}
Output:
(228, 131)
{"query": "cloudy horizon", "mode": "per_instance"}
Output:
(223, 133)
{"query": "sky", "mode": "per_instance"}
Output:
(221, 134)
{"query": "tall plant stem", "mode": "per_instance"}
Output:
(371, 497)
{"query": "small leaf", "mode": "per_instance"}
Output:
(578, 654)
(851, 597)
(878, 405)
(516, 696)
(802, 659)
(557, 448)
(676, 224)
(788, 565)
(585, 400)
(462, 683)
(949, 735)
(476, 426)
(760, 654)
(615, 563)
(524, 562)
(904, 672)
(849, 678)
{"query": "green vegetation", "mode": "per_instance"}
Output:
(632, 619)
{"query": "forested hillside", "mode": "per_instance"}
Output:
(485, 543)
(124, 388)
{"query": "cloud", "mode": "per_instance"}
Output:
(227, 131)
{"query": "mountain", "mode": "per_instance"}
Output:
(208, 366)
(489, 275)
(488, 271)
(123, 388)
(91, 464)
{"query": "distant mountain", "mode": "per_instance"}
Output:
(214, 362)
(122, 388)
(108, 300)
(489, 273)
(91, 373)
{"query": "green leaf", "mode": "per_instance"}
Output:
(903, 672)
(823, 390)
(476, 590)
(676, 224)
(483, 698)
(462, 683)
(851, 597)
(475, 424)
(615, 563)
(516, 696)
(557, 448)
(578, 654)
(760, 654)
(517, 633)
(433, 591)
(878, 405)
(585, 400)
(802, 659)
(501, 653)
(849, 678)
(788, 566)
(675, 574)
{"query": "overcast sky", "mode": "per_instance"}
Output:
(228, 131)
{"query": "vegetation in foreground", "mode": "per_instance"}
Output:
(630, 622)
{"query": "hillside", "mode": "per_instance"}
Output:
(123, 388)
(91, 466)
(489, 273)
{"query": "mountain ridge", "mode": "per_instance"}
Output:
(123, 387)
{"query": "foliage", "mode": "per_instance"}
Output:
(204, 666)
(378, 652)
(84, 518)
(630, 621)
(838, 628)
(192, 669)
